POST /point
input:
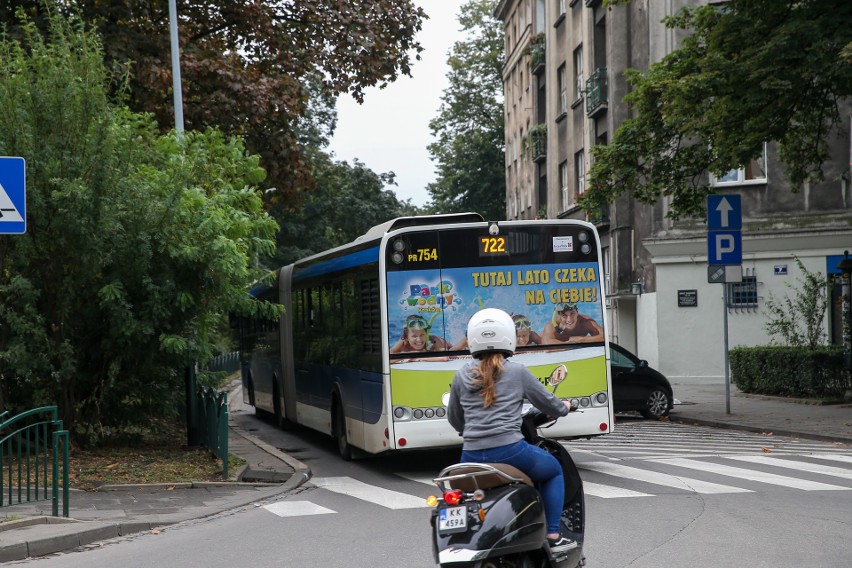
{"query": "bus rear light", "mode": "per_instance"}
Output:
(387, 434)
(453, 497)
(604, 426)
(402, 441)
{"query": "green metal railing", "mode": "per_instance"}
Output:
(228, 362)
(596, 90)
(213, 417)
(207, 418)
(32, 444)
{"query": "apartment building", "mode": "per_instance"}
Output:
(564, 83)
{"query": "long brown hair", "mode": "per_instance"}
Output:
(488, 372)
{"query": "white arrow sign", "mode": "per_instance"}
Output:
(724, 208)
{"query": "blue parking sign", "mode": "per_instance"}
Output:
(724, 247)
(13, 196)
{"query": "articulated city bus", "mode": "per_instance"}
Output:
(373, 331)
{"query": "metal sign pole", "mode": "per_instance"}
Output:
(727, 366)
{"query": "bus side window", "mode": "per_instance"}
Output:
(371, 325)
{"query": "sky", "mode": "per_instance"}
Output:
(390, 131)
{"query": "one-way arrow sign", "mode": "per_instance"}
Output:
(724, 213)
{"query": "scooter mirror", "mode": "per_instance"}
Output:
(557, 376)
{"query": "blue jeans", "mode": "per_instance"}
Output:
(540, 466)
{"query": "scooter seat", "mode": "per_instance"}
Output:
(478, 477)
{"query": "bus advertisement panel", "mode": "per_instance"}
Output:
(541, 277)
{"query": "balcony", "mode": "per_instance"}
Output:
(536, 52)
(535, 143)
(596, 93)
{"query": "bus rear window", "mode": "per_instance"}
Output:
(546, 277)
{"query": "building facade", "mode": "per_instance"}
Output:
(564, 83)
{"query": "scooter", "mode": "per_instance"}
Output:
(491, 515)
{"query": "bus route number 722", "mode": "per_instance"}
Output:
(493, 245)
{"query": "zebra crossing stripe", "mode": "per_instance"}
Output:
(658, 478)
(751, 475)
(296, 509)
(797, 465)
(370, 493)
(610, 492)
(832, 457)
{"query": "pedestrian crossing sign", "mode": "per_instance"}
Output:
(13, 201)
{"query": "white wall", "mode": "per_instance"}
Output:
(691, 340)
(647, 338)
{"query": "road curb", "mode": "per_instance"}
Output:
(745, 428)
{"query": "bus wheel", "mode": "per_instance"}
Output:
(281, 421)
(339, 431)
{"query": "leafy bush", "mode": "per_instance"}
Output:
(137, 245)
(790, 371)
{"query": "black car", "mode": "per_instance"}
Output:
(636, 386)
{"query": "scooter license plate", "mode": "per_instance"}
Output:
(452, 519)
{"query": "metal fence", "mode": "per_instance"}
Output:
(228, 362)
(214, 424)
(207, 419)
(32, 445)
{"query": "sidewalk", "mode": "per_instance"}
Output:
(706, 405)
(122, 510)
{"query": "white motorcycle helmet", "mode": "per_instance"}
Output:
(491, 330)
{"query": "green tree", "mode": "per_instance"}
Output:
(751, 71)
(347, 201)
(468, 131)
(138, 245)
(800, 320)
(245, 64)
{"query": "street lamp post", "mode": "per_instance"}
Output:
(845, 267)
(176, 83)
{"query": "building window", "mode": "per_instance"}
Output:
(754, 172)
(563, 90)
(606, 263)
(563, 184)
(743, 294)
(578, 72)
(580, 172)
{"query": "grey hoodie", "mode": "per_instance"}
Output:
(500, 424)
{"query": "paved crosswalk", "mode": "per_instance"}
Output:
(644, 460)
(650, 439)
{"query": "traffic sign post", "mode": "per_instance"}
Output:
(725, 258)
(13, 200)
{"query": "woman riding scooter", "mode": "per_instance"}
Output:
(486, 400)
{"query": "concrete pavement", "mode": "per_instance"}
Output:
(122, 510)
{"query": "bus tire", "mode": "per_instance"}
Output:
(338, 429)
(276, 403)
(251, 392)
(281, 421)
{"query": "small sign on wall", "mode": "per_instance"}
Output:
(780, 270)
(687, 298)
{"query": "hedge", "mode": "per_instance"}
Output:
(790, 371)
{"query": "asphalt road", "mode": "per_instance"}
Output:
(658, 494)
